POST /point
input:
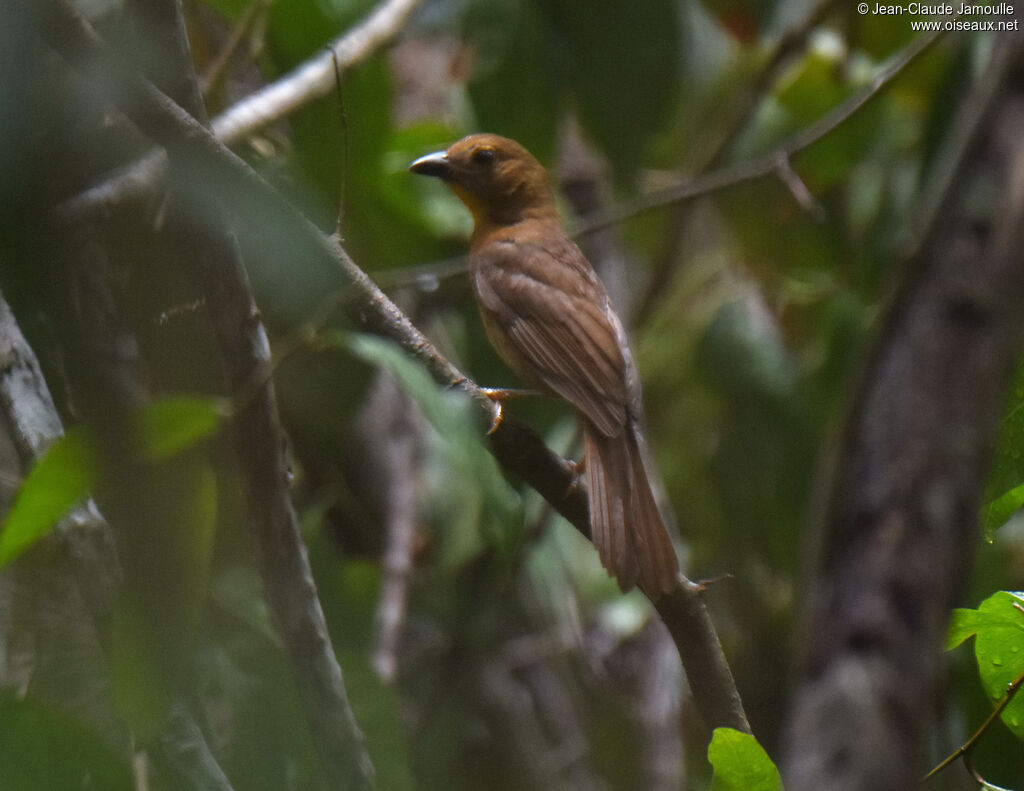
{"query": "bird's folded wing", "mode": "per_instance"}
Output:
(572, 339)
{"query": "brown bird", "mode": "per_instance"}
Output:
(548, 316)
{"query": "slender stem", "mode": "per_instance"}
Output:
(965, 749)
(309, 81)
(767, 164)
(774, 163)
(217, 67)
(518, 448)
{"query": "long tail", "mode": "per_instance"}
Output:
(625, 523)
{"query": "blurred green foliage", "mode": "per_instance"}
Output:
(517, 660)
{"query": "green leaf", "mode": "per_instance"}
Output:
(740, 763)
(41, 747)
(70, 469)
(997, 512)
(473, 498)
(63, 477)
(171, 425)
(1006, 481)
(165, 520)
(998, 628)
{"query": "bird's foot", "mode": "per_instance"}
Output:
(499, 416)
(499, 395)
(577, 469)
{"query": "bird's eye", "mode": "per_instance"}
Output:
(482, 156)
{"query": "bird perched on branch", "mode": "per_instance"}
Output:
(548, 316)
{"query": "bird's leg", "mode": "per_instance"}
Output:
(577, 468)
(499, 395)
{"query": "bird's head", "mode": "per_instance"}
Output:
(497, 178)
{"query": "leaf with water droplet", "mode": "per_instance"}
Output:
(998, 628)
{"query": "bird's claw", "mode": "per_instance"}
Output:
(499, 416)
(499, 395)
(578, 467)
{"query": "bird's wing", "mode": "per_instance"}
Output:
(570, 339)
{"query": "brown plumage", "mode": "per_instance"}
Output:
(547, 314)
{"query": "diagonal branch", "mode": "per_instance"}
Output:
(716, 178)
(766, 164)
(309, 81)
(518, 448)
(216, 266)
(750, 170)
(965, 749)
(316, 77)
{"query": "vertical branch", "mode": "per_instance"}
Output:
(283, 561)
(259, 441)
(396, 433)
(215, 264)
(903, 516)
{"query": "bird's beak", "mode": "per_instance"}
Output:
(435, 164)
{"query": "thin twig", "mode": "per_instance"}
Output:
(965, 749)
(339, 226)
(284, 564)
(786, 46)
(766, 164)
(216, 68)
(307, 82)
(314, 78)
(394, 412)
(717, 180)
(792, 181)
(518, 448)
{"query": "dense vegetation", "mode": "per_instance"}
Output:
(806, 215)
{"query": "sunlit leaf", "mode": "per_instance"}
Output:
(70, 469)
(998, 628)
(740, 763)
(62, 478)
